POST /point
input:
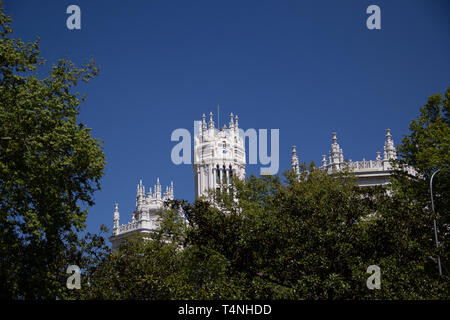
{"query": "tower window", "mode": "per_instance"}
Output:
(224, 174)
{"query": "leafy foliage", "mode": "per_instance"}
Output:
(50, 167)
(307, 237)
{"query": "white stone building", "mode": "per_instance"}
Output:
(144, 218)
(368, 173)
(219, 154)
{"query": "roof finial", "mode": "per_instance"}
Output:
(203, 122)
(211, 121)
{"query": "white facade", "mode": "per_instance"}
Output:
(368, 173)
(144, 219)
(219, 155)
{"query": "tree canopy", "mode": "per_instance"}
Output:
(307, 237)
(50, 166)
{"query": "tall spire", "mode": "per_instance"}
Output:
(158, 189)
(236, 123)
(294, 160)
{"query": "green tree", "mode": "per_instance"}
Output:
(50, 165)
(159, 266)
(298, 240)
(427, 149)
(307, 238)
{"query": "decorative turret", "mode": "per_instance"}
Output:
(211, 121)
(294, 160)
(231, 124)
(204, 124)
(116, 218)
(157, 189)
(140, 194)
(389, 150)
(324, 160)
(337, 155)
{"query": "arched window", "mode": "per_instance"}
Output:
(224, 174)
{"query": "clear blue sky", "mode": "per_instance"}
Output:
(307, 68)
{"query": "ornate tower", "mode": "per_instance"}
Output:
(219, 155)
